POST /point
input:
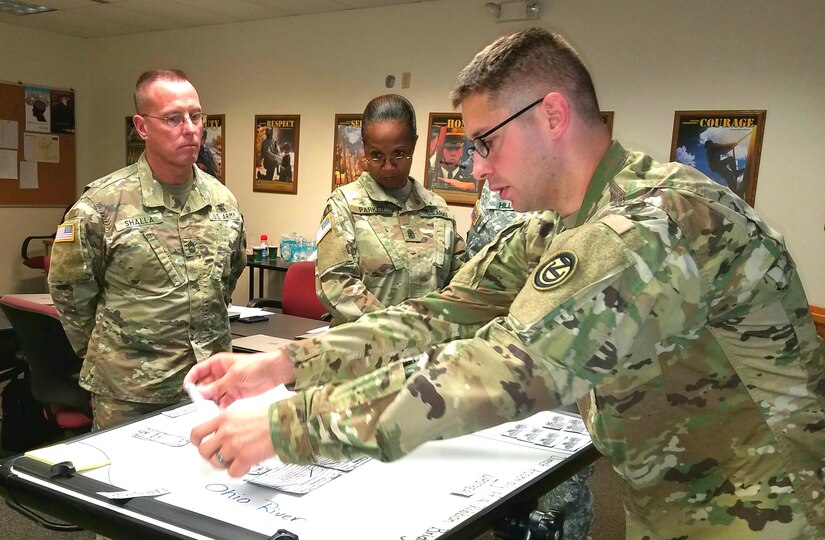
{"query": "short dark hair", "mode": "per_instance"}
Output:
(148, 77)
(389, 107)
(532, 59)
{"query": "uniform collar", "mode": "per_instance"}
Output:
(609, 166)
(152, 191)
(419, 197)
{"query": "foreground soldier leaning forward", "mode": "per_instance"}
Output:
(659, 301)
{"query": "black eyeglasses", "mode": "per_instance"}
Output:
(174, 120)
(480, 145)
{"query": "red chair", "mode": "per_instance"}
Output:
(298, 296)
(39, 261)
(35, 261)
(53, 364)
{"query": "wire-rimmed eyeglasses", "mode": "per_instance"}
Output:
(174, 120)
(480, 145)
(397, 158)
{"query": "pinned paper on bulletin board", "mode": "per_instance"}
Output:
(37, 146)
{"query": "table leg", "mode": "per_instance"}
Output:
(261, 284)
(251, 282)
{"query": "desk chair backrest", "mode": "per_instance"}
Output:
(52, 362)
(33, 261)
(298, 297)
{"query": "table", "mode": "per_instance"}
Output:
(278, 325)
(277, 265)
(450, 490)
(500, 473)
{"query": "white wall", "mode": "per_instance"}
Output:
(39, 58)
(648, 60)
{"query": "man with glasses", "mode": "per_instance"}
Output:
(384, 238)
(651, 295)
(144, 264)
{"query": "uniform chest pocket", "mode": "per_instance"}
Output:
(380, 243)
(433, 241)
(224, 243)
(141, 263)
(163, 256)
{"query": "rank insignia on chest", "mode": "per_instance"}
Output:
(475, 215)
(556, 271)
(413, 235)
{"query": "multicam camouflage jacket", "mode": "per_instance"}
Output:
(376, 251)
(490, 215)
(666, 307)
(141, 286)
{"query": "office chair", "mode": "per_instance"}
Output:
(39, 261)
(298, 296)
(53, 364)
(36, 261)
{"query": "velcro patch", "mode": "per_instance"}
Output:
(555, 271)
(619, 224)
(138, 221)
(65, 233)
(326, 226)
(224, 216)
(475, 215)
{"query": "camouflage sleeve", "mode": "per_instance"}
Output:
(238, 262)
(482, 290)
(553, 346)
(339, 276)
(459, 255)
(75, 274)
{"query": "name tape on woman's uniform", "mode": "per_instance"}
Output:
(555, 271)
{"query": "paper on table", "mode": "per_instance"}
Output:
(260, 343)
(244, 312)
(309, 333)
(82, 456)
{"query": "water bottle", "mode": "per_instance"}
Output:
(289, 251)
(282, 247)
(264, 248)
(300, 250)
(311, 251)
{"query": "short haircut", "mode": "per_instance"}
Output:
(148, 77)
(531, 60)
(389, 107)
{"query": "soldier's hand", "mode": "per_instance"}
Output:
(227, 377)
(235, 440)
(459, 184)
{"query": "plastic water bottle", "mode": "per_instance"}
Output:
(300, 249)
(264, 248)
(282, 247)
(289, 247)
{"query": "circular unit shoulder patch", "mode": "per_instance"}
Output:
(556, 271)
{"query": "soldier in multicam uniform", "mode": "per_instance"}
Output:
(660, 302)
(491, 214)
(384, 238)
(145, 263)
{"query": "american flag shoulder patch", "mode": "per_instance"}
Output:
(326, 226)
(65, 233)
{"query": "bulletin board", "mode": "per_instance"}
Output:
(56, 181)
